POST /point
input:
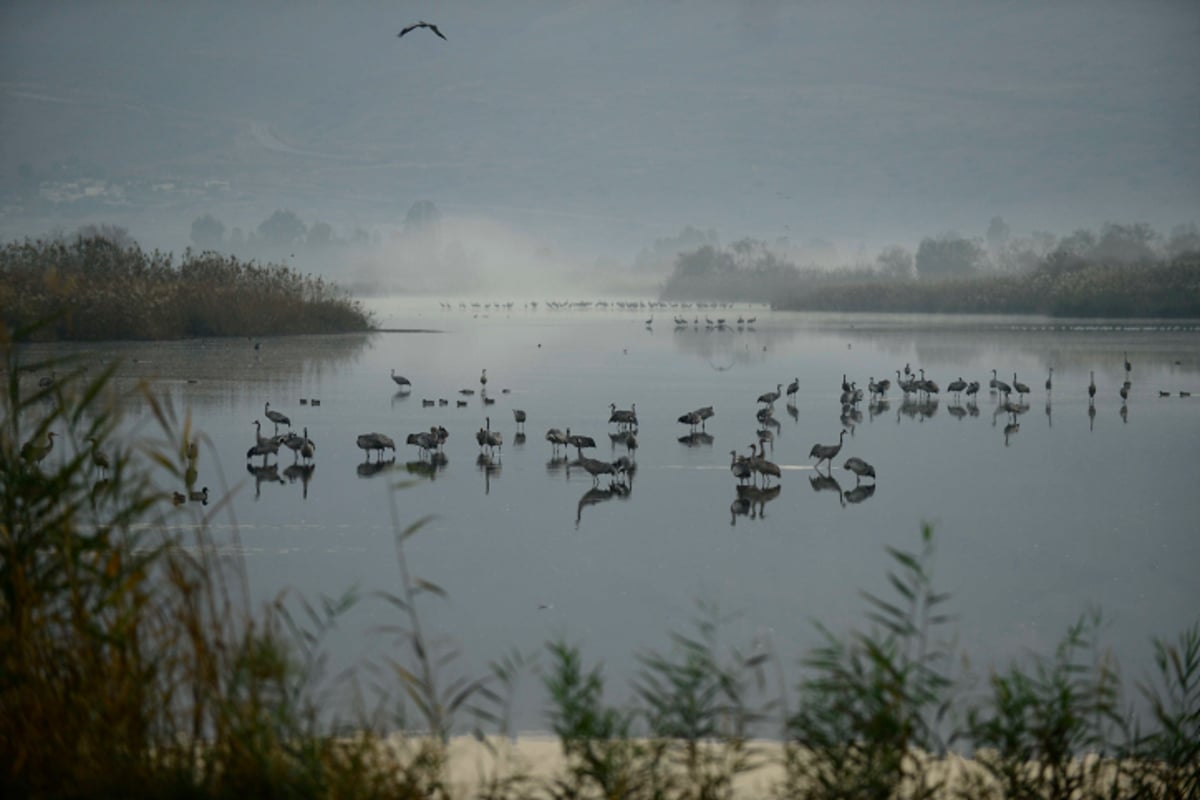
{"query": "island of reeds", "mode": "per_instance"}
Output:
(91, 288)
(133, 664)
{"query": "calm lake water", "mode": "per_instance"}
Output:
(1036, 520)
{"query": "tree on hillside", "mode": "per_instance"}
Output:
(703, 261)
(320, 234)
(1183, 239)
(208, 232)
(949, 255)
(282, 229)
(895, 262)
(422, 215)
(998, 235)
(1126, 244)
(660, 256)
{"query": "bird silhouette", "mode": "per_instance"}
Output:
(860, 468)
(422, 24)
(826, 452)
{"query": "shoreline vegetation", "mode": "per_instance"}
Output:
(1123, 271)
(91, 288)
(132, 663)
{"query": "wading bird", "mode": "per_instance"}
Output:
(33, 452)
(374, 441)
(401, 380)
(740, 467)
(556, 437)
(826, 452)
(860, 468)
(761, 465)
(276, 417)
(99, 460)
(308, 449)
(624, 416)
(519, 417)
(1022, 389)
(770, 397)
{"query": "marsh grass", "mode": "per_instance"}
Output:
(1169, 289)
(133, 662)
(93, 289)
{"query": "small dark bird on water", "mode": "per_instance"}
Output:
(422, 24)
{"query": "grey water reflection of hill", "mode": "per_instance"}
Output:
(229, 372)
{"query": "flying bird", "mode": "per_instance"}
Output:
(422, 24)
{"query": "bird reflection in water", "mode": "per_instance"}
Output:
(1091, 417)
(1124, 413)
(956, 411)
(919, 410)
(1049, 416)
(427, 468)
(301, 472)
(401, 396)
(557, 463)
(369, 469)
(266, 473)
(489, 465)
(751, 501)
(519, 439)
(599, 494)
(859, 493)
(793, 411)
(697, 439)
(1011, 429)
(625, 438)
(826, 483)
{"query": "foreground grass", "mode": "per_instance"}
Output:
(132, 664)
(93, 290)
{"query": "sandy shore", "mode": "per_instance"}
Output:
(537, 760)
(540, 758)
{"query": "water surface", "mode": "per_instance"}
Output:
(1039, 516)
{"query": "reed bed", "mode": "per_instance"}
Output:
(1168, 288)
(92, 289)
(133, 664)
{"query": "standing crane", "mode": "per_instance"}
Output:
(276, 417)
(827, 452)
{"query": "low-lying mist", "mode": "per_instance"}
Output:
(464, 255)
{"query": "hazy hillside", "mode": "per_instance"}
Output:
(591, 129)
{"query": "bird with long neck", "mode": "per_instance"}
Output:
(827, 452)
(740, 467)
(761, 465)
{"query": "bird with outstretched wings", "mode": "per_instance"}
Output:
(422, 24)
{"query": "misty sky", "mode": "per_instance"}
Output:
(596, 127)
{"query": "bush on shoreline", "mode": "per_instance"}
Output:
(91, 289)
(132, 665)
(1170, 290)
(1061, 284)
